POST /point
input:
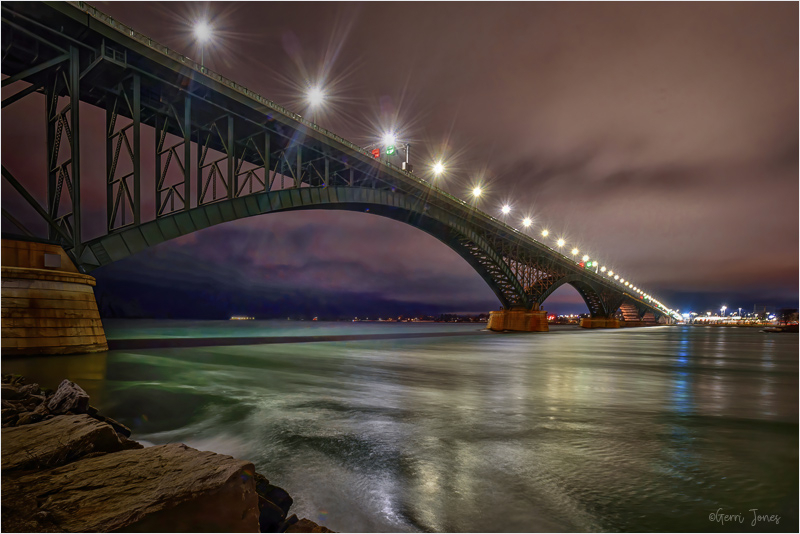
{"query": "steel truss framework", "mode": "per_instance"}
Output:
(223, 153)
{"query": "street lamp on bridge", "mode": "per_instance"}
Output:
(202, 32)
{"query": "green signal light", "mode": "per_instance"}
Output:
(390, 150)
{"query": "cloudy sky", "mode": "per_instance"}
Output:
(661, 139)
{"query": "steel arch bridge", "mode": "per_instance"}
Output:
(223, 152)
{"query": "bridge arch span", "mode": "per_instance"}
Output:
(453, 231)
(592, 295)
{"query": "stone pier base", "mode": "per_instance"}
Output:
(518, 321)
(48, 307)
(599, 322)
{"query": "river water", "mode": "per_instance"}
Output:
(658, 429)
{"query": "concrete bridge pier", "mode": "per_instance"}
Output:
(600, 322)
(48, 306)
(519, 320)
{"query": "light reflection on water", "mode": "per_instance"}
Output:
(634, 430)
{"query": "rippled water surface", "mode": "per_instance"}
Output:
(574, 430)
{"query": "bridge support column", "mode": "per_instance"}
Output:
(48, 306)
(518, 321)
(599, 322)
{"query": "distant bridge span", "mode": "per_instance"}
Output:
(224, 153)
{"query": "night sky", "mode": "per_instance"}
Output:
(661, 139)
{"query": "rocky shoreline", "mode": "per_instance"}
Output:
(67, 468)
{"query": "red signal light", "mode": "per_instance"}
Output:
(376, 153)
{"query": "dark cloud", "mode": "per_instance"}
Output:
(661, 138)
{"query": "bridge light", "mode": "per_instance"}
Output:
(438, 168)
(575, 251)
(506, 209)
(603, 269)
(315, 96)
(610, 273)
(560, 243)
(476, 192)
(202, 31)
(616, 277)
(621, 280)
(585, 257)
(526, 222)
(545, 232)
(389, 139)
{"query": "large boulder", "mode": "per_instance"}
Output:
(57, 441)
(166, 488)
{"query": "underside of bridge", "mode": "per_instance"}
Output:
(223, 152)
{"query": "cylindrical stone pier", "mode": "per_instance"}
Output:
(518, 321)
(48, 307)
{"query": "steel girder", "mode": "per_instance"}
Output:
(252, 157)
(441, 225)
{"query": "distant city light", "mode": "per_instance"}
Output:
(545, 232)
(526, 222)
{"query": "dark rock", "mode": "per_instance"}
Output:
(277, 496)
(306, 525)
(69, 397)
(30, 389)
(28, 418)
(32, 401)
(270, 518)
(9, 392)
(128, 444)
(291, 520)
(166, 488)
(91, 410)
(55, 442)
(9, 415)
(119, 427)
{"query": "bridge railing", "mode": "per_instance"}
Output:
(150, 43)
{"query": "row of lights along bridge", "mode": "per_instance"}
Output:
(316, 96)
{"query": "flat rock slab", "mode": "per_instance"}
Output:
(56, 441)
(167, 488)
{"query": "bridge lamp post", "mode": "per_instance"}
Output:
(585, 257)
(476, 192)
(560, 243)
(438, 169)
(526, 222)
(603, 269)
(616, 277)
(545, 232)
(574, 252)
(202, 32)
